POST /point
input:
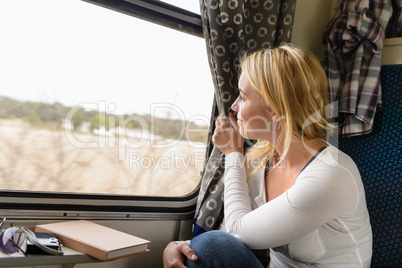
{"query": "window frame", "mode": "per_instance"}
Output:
(56, 205)
(158, 12)
(51, 205)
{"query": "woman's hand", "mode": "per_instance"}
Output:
(175, 254)
(226, 138)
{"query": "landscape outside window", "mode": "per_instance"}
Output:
(95, 101)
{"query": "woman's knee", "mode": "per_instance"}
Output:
(220, 249)
(214, 240)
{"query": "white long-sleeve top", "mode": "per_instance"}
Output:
(321, 221)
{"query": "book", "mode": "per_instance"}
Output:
(96, 240)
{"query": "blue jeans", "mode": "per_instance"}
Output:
(220, 249)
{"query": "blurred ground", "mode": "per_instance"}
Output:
(54, 160)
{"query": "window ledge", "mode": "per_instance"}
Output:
(69, 259)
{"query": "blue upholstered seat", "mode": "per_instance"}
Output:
(378, 157)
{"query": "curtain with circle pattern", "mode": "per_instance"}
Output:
(231, 27)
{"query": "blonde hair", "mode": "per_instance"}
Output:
(293, 84)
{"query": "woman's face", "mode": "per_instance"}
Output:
(253, 118)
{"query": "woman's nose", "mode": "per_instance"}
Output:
(234, 105)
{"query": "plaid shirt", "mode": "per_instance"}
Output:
(354, 42)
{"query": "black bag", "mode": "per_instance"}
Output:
(42, 243)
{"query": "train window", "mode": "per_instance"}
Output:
(189, 5)
(97, 102)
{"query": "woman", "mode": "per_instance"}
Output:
(297, 195)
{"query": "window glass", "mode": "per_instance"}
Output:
(95, 101)
(190, 5)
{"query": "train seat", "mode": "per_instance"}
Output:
(378, 157)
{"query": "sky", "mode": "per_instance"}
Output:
(77, 53)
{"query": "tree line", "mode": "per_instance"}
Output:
(40, 114)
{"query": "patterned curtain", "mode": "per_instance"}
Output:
(230, 27)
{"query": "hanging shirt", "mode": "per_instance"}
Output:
(354, 42)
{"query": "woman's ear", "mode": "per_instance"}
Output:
(276, 118)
